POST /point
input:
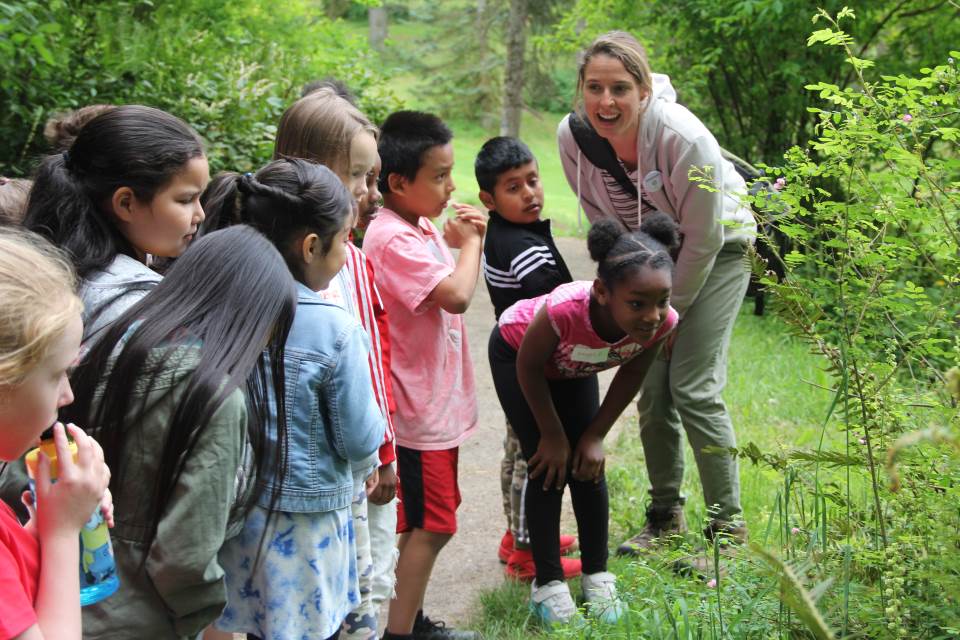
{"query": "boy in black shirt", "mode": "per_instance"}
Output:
(520, 261)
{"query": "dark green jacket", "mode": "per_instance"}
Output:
(179, 590)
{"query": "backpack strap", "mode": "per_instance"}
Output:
(599, 152)
(746, 170)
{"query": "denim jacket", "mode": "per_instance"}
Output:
(333, 419)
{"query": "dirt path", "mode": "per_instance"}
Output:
(469, 565)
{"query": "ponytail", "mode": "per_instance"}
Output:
(131, 146)
(286, 198)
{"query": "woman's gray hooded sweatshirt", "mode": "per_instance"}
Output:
(674, 147)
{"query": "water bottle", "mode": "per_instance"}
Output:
(98, 571)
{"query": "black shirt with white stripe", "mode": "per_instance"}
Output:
(520, 261)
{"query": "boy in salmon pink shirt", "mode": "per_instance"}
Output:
(425, 292)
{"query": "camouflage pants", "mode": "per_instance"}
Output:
(513, 485)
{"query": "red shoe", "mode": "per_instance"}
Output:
(520, 566)
(506, 547)
(568, 544)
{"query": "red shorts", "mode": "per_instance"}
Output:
(428, 490)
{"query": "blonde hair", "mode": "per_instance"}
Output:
(320, 127)
(625, 48)
(38, 290)
(14, 193)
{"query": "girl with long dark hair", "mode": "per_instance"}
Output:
(177, 391)
(125, 191)
(296, 576)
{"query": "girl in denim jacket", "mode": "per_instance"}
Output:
(292, 571)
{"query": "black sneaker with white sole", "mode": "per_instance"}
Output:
(426, 629)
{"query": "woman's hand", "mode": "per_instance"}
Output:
(551, 459)
(589, 459)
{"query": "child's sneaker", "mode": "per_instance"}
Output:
(520, 566)
(506, 547)
(426, 629)
(600, 596)
(568, 544)
(552, 603)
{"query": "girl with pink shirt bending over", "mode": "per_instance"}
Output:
(544, 357)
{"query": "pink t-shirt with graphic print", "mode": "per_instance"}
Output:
(430, 363)
(580, 352)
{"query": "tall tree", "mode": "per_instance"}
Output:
(513, 78)
(377, 21)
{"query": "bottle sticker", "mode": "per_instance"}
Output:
(583, 353)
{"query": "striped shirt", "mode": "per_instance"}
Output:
(528, 261)
(355, 283)
(625, 204)
(520, 261)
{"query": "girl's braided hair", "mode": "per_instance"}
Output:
(284, 199)
(619, 252)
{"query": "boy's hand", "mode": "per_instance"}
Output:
(372, 481)
(457, 231)
(63, 508)
(471, 214)
(551, 458)
(588, 459)
(387, 488)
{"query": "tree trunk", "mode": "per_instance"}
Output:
(513, 78)
(377, 19)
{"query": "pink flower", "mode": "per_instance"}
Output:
(907, 117)
(863, 441)
(795, 530)
(779, 184)
(712, 583)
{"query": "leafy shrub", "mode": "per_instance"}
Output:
(228, 69)
(872, 286)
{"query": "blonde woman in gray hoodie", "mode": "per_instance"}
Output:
(660, 157)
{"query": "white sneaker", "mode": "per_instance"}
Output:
(600, 596)
(552, 603)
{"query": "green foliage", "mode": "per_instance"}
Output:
(228, 69)
(459, 53)
(872, 287)
(854, 508)
(741, 65)
(461, 60)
